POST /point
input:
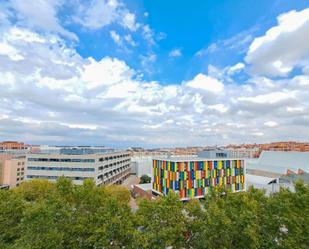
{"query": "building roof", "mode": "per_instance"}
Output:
(145, 186)
(191, 158)
(281, 161)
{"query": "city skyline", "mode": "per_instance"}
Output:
(154, 74)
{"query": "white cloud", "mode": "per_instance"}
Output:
(129, 21)
(236, 68)
(258, 134)
(207, 83)
(238, 43)
(175, 53)
(10, 51)
(218, 107)
(115, 36)
(61, 97)
(269, 98)
(298, 109)
(128, 38)
(108, 71)
(283, 47)
(96, 14)
(40, 15)
(271, 124)
(148, 34)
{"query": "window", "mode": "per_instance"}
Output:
(66, 160)
(61, 169)
(56, 177)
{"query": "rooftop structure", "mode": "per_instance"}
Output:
(214, 153)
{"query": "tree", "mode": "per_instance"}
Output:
(161, 223)
(145, 179)
(40, 214)
(119, 192)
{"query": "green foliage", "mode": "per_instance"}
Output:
(162, 223)
(119, 192)
(145, 179)
(40, 214)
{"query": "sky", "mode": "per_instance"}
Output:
(154, 73)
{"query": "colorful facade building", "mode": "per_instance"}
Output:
(195, 177)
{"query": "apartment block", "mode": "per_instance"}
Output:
(104, 166)
(12, 145)
(12, 170)
(195, 177)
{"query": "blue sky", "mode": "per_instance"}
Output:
(154, 73)
(190, 27)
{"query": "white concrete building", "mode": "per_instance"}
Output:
(141, 165)
(276, 169)
(104, 166)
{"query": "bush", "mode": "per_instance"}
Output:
(145, 179)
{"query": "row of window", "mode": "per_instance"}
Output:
(56, 177)
(61, 169)
(113, 172)
(113, 164)
(67, 160)
(112, 157)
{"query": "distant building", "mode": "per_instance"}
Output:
(276, 169)
(12, 145)
(288, 180)
(104, 166)
(244, 152)
(194, 177)
(214, 153)
(12, 170)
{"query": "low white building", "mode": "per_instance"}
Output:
(104, 166)
(141, 165)
(276, 169)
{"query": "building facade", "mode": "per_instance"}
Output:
(244, 152)
(13, 145)
(195, 177)
(214, 153)
(105, 168)
(12, 170)
(141, 166)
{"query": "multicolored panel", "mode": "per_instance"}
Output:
(196, 178)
